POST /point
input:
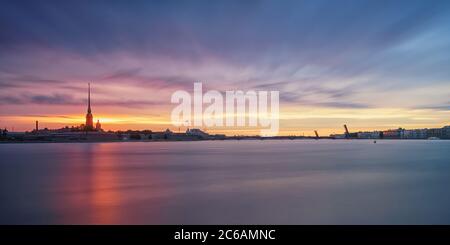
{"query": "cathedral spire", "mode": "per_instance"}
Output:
(89, 126)
(89, 97)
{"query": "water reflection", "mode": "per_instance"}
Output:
(257, 182)
(105, 197)
(107, 184)
(88, 188)
(85, 190)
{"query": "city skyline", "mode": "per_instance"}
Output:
(89, 126)
(373, 66)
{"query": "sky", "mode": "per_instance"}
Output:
(368, 64)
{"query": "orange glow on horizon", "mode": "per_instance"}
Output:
(294, 120)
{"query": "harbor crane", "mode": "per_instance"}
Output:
(317, 135)
(347, 134)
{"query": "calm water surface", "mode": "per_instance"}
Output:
(226, 182)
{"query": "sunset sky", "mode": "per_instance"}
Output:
(368, 64)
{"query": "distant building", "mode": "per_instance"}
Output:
(3, 134)
(393, 133)
(98, 126)
(414, 134)
(338, 136)
(165, 135)
(197, 132)
(446, 132)
(436, 132)
(369, 135)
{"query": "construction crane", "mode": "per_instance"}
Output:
(347, 134)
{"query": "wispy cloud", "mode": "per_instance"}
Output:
(342, 105)
(68, 100)
(438, 107)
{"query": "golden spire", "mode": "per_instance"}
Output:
(89, 97)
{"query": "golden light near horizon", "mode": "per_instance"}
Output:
(293, 121)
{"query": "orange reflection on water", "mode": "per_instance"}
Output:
(110, 183)
(105, 197)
